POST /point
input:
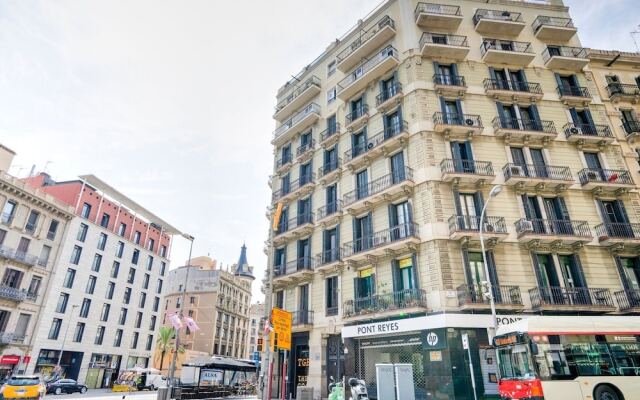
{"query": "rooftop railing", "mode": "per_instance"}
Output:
(365, 36)
(563, 51)
(502, 45)
(297, 91)
(441, 9)
(551, 21)
(362, 69)
(496, 15)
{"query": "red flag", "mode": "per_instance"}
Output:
(613, 178)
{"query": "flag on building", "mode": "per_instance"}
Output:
(191, 324)
(174, 320)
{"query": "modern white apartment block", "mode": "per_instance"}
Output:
(386, 148)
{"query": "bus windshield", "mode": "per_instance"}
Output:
(515, 362)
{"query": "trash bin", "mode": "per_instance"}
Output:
(163, 393)
(304, 393)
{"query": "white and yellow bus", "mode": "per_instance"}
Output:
(570, 358)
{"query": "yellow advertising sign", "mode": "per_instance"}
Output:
(276, 217)
(365, 273)
(281, 321)
(405, 262)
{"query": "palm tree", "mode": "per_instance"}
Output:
(164, 342)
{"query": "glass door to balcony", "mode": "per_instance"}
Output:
(4, 319)
(593, 163)
(583, 121)
(470, 210)
(304, 254)
(629, 121)
(303, 304)
(332, 199)
(330, 245)
(508, 116)
(533, 213)
(462, 157)
(631, 271)
(539, 164)
(452, 112)
(476, 276)
(305, 174)
(286, 154)
(330, 160)
(529, 119)
(304, 211)
(445, 74)
(574, 281)
(397, 168)
(404, 277)
(362, 184)
(400, 220)
(12, 278)
(362, 232)
(388, 88)
(548, 281)
(392, 124)
(557, 215)
(615, 218)
(358, 143)
(365, 289)
(518, 80)
(501, 78)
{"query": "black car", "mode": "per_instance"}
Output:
(65, 386)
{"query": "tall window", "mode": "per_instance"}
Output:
(163, 251)
(135, 257)
(63, 300)
(132, 275)
(152, 323)
(279, 299)
(163, 267)
(84, 309)
(86, 210)
(149, 344)
(332, 296)
(75, 255)
(134, 340)
(156, 304)
(91, 284)
(149, 263)
(104, 315)
(69, 278)
(136, 237)
(79, 332)
(138, 320)
(111, 287)
(122, 229)
(12, 278)
(151, 244)
(145, 281)
(102, 241)
(99, 335)
(43, 260)
(159, 286)
(117, 340)
(127, 295)
(104, 221)
(53, 228)
(82, 232)
(97, 261)
(119, 249)
(54, 331)
(9, 211)
(34, 286)
(143, 300)
(123, 316)
(115, 268)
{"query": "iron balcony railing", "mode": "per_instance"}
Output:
(302, 317)
(449, 80)
(628, 299)
(8, 338)
(441, 9)
(519, 124)
(459, 166)
(389, 92)
(19, 256)
(574, 91)
(402, 299)
(512, 86)
(312, 81)
(443, 39)
(328, 256)
(294, 186)
(291, 267)
(329, 167)
(568, 296)
(619, 230)
(601, 131)
(503, 294)
(551, 172)
(496, 15)
(11, 293)
(623, 89)
(381, 238)
(331, 311)
(365, 36)
(371, 143)
(551, 21)
(293, 121)
(362, 69)
(599, 175)
(470, 120)
(502, 45)
(356, 114)
(471, 223)
(295, 222)
(378, 185)
(563, 51)
(331, 130)
(329, 209)
(552, 227)
(631, 127)
(306, 148)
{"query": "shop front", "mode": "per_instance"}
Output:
(137, 361)
(103, 370)
(70, 363)
(12, 361)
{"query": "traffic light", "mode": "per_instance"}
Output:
(260, 344)
(275, 341)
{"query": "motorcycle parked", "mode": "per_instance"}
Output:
(336, 391)
(358, 389)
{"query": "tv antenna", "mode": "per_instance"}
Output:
(633, 33)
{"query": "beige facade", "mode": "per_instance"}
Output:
(32, 227)
(411, 118)
(256, 317)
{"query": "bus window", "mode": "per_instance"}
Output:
(626, 357)
(515, 362)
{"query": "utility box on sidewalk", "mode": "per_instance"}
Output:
(385, 382)
(304, 393)
(405, 389)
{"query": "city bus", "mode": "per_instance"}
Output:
(569, 358)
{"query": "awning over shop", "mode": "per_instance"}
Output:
(10, 359)
(221, 363)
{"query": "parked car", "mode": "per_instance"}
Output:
(23, 386)
(65, 386)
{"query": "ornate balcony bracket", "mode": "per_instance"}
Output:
(617, 248)
(577, 246)
(337, 268)
(447, 135)
(373, 260)
(556, 245)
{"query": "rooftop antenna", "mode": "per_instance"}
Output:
(33, 170)
(637, 32)
(44, 169)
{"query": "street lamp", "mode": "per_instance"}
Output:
(64, 338)
(493, 193)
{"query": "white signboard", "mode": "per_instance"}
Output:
(211, 377)
(465, 341)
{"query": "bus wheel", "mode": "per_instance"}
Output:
(606, 392)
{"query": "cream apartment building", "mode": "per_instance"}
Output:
(386, 147)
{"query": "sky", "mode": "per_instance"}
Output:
(171, 102)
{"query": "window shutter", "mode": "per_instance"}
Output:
(414, 266)
(563, 208)
(455, 150)
(479, 202)
(574, 80)
(501, 113)
(456, 201)
(623, 211)
(623, 276)
(536, 115)
(587, 113)
(493, 272)
(536, 269)
(454, 72)
(394, 275)
(574, 115)
(373, 284)
(393, 218)
(525, 204)
(522, 76)
(459, 108)
(465, 261)
(492, 73)
(442, 106)
(400, 121)
(558, 79)
(578, 265)
(356, 288)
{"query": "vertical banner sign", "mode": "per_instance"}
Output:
(276, 217)
(281, 321)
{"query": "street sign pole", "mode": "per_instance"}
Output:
(283, 392)
(465, 345)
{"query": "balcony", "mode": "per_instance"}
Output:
(524, 129)
(377, 306)
(474, 297)
(391, 138)
(449, 85)
(628, 300)
(472, 172)
(547, 231)
(444, 46)
(329, 214)
(7, 338)
(296, 227)
(587, 133)
(553, 28)
(507, 52)
(386, 187)
(606, 180)
(301, 320)
(623, 92)
(18, 256)
(382, 62)
(283, 164)
(574, 95)
(498, 22)
(330, 171)
(389, 97)
(467, 228)
(366, 42)
(330, 136)
(302, 120)
(395, 239)
(13, 294)
(515, 91)
(328, 259)
(305, 152)
(438, 16)
(298, 188)
(556, 298)
(631, 130)
(565, 58)
(299, 96)
(357, 118)
(457, 124)
(618, 233)
(534, 176)
(296, 270)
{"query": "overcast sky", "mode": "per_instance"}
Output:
(171, 101)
